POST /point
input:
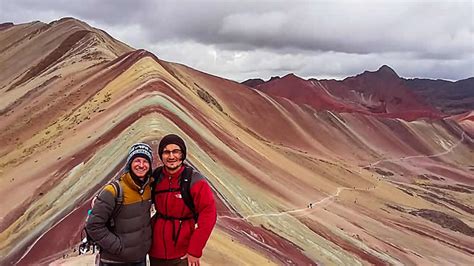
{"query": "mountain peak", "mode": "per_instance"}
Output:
(253, 83)
(387, 71)
(69, 20)
(292, 76)
(66, 19)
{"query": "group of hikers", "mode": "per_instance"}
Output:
(120, 221)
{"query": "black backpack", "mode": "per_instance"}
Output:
(185, 189)
(87, 244)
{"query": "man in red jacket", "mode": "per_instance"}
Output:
(180, 231)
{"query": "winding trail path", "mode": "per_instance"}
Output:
(340, 189)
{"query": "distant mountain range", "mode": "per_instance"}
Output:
(381, 92)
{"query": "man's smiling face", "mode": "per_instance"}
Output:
(172, 157)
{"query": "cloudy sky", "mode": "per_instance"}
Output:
(247, 39)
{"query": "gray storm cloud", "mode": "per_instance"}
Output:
(236, 39)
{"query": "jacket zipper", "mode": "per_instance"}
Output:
(141, 190)
(166, 213)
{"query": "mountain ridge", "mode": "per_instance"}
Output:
(436, 93)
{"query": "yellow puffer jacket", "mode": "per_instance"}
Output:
(130, 238)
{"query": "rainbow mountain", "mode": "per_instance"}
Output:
(388, 181)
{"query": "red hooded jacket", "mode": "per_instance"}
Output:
(173, 238)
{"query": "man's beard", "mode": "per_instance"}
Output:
(173, 168)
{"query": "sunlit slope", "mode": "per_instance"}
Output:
(382, 190)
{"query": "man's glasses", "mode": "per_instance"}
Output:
(176, 152)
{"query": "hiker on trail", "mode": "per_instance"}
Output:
(120, 218)
(185, 208)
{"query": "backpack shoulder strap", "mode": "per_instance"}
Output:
(118, 201)
(87, 243)
(156, 180)
(118, 190)
(185, 187)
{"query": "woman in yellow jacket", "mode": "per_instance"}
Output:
(124, 235)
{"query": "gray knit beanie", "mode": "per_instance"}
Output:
(140, 150)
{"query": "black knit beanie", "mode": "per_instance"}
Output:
(172, 139)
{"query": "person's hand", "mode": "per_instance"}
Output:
(192, 261)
